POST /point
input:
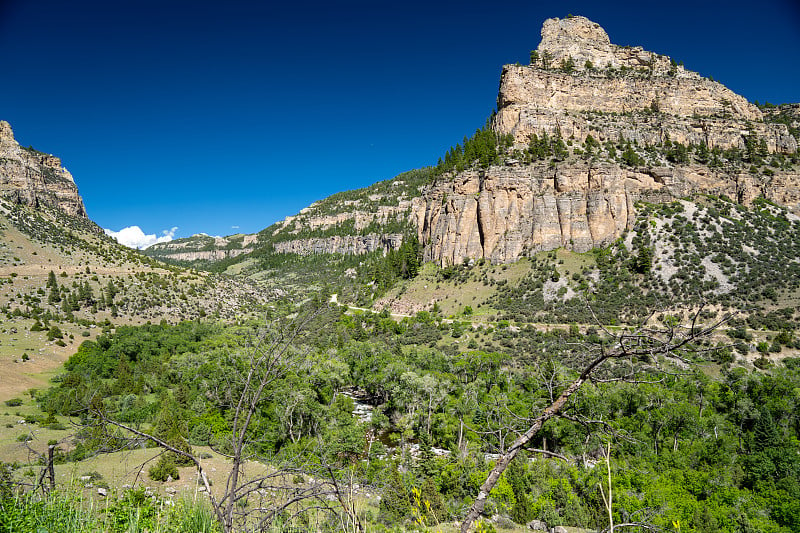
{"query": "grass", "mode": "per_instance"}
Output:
(69, 512)
(45, 357)
(452, 295)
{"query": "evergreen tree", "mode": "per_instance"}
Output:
(172, 429)
(396, 502)
(51, 280)
(559, 149)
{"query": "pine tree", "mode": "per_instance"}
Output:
(170, 428)
(396, 503)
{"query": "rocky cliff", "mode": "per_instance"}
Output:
(581, 83)
(598, 100)
(202, 247)
(341, 244)
(35, 178)
(352, 222)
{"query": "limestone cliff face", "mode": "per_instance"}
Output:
(207, 255)
(604, 81)
(352, 222)
(617, 94)
(33, 178)
(203, 247)
(341, 244)
(504, 213)
(690, 110)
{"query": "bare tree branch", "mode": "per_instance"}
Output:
(639, 343)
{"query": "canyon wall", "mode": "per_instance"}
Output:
(583, 85)
(35, 178)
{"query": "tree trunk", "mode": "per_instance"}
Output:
(502, 463)
(50, 469)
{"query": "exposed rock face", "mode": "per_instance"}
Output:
(545, 97)
(346, 223)
(341, 244)
(615, 94)
(309, 219)
(504, 213)
(690, 110)
(203, 247)
(33, 178)
(208, 255)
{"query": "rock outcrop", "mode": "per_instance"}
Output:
(35, 178)
(202, 247)
(353, 222)
(341, 244)
(583, 85)
(504, 213)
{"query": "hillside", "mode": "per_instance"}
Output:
(597, 291)
(62, 280)
(583, 138)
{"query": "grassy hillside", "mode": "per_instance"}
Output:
(62, 280)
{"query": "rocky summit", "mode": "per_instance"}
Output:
(30, 177)
(583, 89)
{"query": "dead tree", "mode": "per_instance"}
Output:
(245, 382)
(638, 351)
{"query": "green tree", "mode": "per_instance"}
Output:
(396, 501)
(172, 428)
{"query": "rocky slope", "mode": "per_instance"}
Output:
(581, 87)
(34, 178)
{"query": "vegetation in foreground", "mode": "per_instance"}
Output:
(715, 454)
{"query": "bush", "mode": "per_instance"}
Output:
(163, 469)
(14, 402)
(762, 363)
(54, 333)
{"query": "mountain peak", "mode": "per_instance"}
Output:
(30, 177)
(6, 133)
(556, 31)
(586, 46)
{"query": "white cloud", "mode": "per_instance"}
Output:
(134, 237)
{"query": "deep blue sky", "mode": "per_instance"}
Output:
(212, 115)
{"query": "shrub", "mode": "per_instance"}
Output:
(762, 363)
(14, 402)
(163, 469)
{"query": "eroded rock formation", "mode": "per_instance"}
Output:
(34, 178)
(583, 85)
(341, 244)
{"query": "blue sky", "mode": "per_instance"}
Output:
(221, 117)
